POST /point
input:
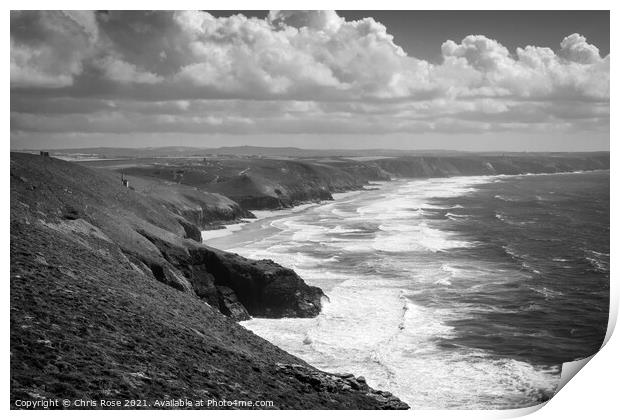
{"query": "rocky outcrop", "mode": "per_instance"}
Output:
(336, 383)
(155, 239)
(230, 305)
(87, 323)
(237, 286)
(264, 288)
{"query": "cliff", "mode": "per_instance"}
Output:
(253, 183)
(112, 299)
(198, 207)
(256, 183)
(509, 164)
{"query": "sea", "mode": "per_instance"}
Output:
(451, 293)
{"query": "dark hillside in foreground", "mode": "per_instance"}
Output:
(111, 298)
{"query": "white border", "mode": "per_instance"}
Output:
(593, 394)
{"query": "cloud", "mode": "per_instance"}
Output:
(293, 54)
(120, 71)
(48, 48)
(576, 72)
(292, 72)
(319, 20)
(480, 52)
(575, 48)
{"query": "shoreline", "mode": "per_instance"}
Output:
(88, 254)
(226, 230)
(229, 229)
(353, 294)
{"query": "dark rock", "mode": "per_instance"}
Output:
(191, 231)
(336, 383)
(229, 304)
(265, 288)
(354, 384)
(71, 213)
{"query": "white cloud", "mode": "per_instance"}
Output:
(120, 71)
(48, 48)
(290, 72)
(319, 20)
(575, 48)
(577, 72)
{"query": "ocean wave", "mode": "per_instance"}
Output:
(510, 221)
(507, 199)
(546, 292)
(512, 253)
(407, 238)
(457, 217)
(599, 261)
(598, 265)
(392, 313)
(342, 230)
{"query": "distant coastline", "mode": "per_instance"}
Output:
(228, 229)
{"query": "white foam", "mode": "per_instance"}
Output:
(378, 326)
(457, 216)
(218, 233)
(267, 214)
(407, 238)
(378, 333)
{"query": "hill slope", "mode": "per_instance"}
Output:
(270, 183)
(111, 299)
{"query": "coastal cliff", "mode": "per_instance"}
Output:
(112, 298)
(261, 183)
(471, 165)
(145, 233)
(256, 183)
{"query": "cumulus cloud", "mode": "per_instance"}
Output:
(576, 72)
(320, 20)
(575, 48)
(296, 54)
(120, 71)
(296, 71)
(48, 48)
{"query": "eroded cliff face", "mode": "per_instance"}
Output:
(110, 300)
(257, 183)
(253, 183)
(515, 164)
(197, 208)
(237, 286)
(150, 228)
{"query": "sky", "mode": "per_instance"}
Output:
(459, 80)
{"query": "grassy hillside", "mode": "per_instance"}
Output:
(254, 183)
(112, 299)
(269, 183)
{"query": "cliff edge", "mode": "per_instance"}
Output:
(111, 298)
